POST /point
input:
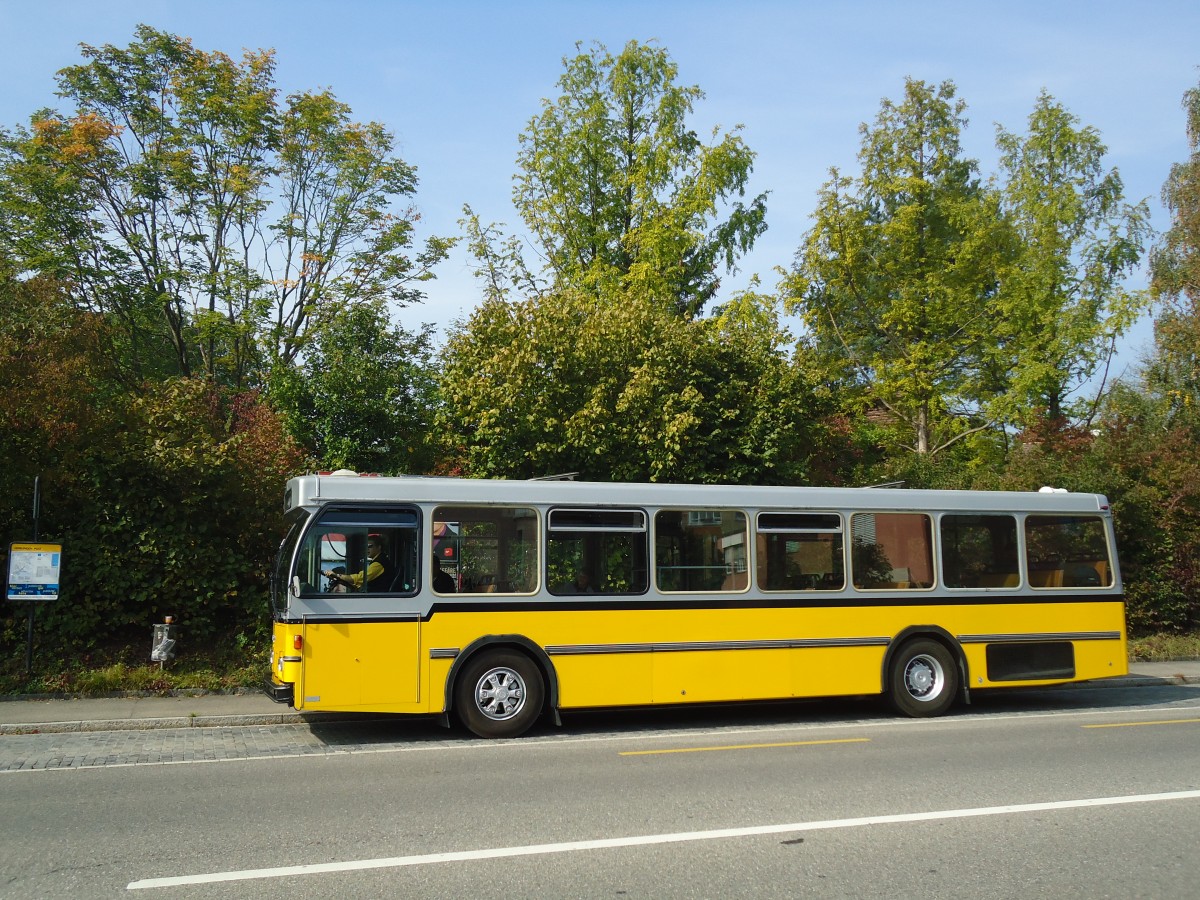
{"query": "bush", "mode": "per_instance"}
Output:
(171, 509)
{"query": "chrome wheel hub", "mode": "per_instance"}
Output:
(923, 678)
(500, 693)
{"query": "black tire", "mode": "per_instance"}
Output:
(923, 679)
(499, 694)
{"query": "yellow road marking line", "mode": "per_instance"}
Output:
(743, 747)
(1137, 724)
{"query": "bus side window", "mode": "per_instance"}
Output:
(892, 551)
(488, 549)
(596, 551)
(701, 550)
(979, 551)
(1067, 551)
(800, 552)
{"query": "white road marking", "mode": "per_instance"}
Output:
(1138, 724)
(650, 839)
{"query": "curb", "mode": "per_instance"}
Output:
(151, 724)
(1167, 679)
(195, 721)
(133, 695)
(1137, 681)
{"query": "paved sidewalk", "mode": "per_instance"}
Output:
(20, 716)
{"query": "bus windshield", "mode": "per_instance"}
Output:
(283, 560)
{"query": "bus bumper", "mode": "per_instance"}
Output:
(280, 692)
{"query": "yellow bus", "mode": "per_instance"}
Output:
(496, 602)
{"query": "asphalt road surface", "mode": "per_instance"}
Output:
(1049, 793)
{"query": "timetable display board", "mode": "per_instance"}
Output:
(33, 571)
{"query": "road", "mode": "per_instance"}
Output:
(1065, 793)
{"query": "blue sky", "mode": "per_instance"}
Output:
(456, 82)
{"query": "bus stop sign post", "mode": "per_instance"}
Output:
(33, 577)
(34, 572)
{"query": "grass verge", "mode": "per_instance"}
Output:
(128, 672)
(1164, 647)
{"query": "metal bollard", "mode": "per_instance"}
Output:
(162, 642)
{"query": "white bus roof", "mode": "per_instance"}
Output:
(312, 490)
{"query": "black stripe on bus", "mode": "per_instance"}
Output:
(688, 646)
(741, 603)
(738, 602)
(1047, 636)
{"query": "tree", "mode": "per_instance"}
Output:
(1142, 450)
(1152, 428)
(338, 242)
(618, 192)
(621, 389)
(896, 278)
(207, 222)
(1175, 280)
(1063, 303)
(362, 397)
(58, 385)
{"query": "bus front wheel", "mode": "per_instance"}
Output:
(923, 679)
(499, 694)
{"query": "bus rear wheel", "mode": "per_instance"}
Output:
(923, 679)
(499, 694)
